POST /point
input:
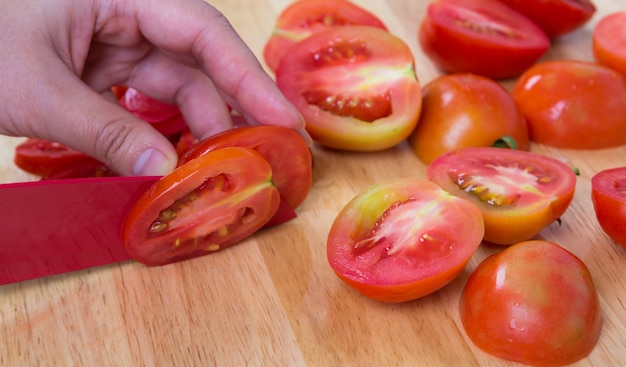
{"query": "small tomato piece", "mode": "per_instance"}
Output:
(573, 104)
(355, 86)
(609, 41)
(608, 193)
(483, 37)
(403, 239)
(208, 204)
(518, 192)
(533, 303)
(466, 110)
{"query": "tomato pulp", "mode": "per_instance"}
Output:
(355, 86)
(403, 239)
(518, 192)
(608, 193)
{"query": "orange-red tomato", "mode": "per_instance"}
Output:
(573, 104)
(609, 41)
(466, 110)
(608, 193)
(533, 303)
(355, 86)
(484, 37)
(518, 192)
(305, 17)
(403, 239)
(208, 204)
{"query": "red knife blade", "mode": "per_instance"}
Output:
(59, 226)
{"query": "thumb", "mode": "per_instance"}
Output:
(86, 121)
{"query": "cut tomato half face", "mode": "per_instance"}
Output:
(608, 193)
(305, 17)
(210, 203)
(355, 86)
(484, 37)
(518, 192)
(609, 41)
(403, 239)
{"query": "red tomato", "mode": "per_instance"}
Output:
(480, 36)
(50, 159)
(466, 110)
(519, 193)
(555, 17)
(608, 193)
(355, 86)
(164, 117)
(403, 239)
(305, 17)
(208, 204)
(533, 303)
(609, 41)
(573, 104)
(286, 152)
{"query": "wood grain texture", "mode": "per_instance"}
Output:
(273, 300)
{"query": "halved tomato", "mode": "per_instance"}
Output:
(555, 17)
(210, 203)
(403, 239)
(484, 37)
(305, 17)
(463, 110)
(608, 193)
(165, 117)
(609, 41)
(355, 86)
(518, 192)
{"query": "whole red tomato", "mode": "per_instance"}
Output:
(464, 110)
(555, 17)
(573, 104)
(608, 193)
(609, 41)
(356, 87)
(305, 17)
(484, 37)
(403, 239)
(533, 303)
(518, 192)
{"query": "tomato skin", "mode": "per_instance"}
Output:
(403, 239)
(480, 36)
(285, 151)
(305, 17)
(533, 303)
(608, 194)
(609, 41)
(463, 110)
(518, 192)
(164, 117)
(355, 86)
(573, 104)
(572, 14)
(208, 204)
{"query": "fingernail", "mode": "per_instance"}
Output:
(307, 138)
(152, 162)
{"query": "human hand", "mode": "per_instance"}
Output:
(60, 59)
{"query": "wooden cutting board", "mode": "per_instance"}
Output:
(273, 300)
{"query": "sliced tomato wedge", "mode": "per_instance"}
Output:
(403, 239)
(483, 37)
(608, 193)
(609, 41)
(208, 204)
(356, 87)
(518, 192)
(305, 17)
(164, 117)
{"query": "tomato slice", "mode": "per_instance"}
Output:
(305, 17)
(355, 86)
(555, 17)
(518, 192)
(287, 153)
(206, 205)
(609, 41)
(403, 239)
(164, 117)
(608, 193)
(480, 36)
